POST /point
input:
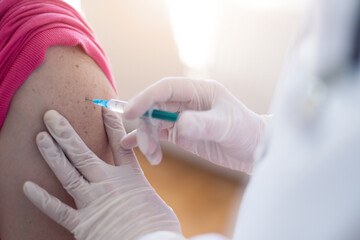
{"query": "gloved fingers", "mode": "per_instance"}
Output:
(115, 131)
(170, 106)
(203, 125)
(148, 139)
(164, 135)
(188, 144)
(148, 135)
(68, 176)
(129, 141)
(175, 89)
(155, 157)
(76, 150)
(51, 206)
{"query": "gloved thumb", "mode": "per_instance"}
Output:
(148, 139)
(203, 125)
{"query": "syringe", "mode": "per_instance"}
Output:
(119, 106)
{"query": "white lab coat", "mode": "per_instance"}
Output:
(306, 184)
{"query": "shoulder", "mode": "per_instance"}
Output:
(62, 82)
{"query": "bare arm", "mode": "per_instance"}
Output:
(66, 77)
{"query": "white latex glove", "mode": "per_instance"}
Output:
(113, 202)
(213, 124)
(162, 235)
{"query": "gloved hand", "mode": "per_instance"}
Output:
(213, 124)
(113, 202)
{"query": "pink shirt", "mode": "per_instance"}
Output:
(27, 29)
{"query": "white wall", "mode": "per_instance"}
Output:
(137, 37)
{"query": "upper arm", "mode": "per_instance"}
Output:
(62, 82)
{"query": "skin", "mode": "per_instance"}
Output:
(62, 82)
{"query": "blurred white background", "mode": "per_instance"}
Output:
(241, 43)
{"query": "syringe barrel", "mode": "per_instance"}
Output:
(119, 106)
(116, 105)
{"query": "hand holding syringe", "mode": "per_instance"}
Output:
(118, 106)
(213, 123)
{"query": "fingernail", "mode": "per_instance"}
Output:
(40, 136)
(42, 140)
(152, 160)
(29, 187)
(52, 120)
(51, 114)
(155, 158)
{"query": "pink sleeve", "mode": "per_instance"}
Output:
(27, 29)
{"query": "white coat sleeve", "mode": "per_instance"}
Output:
(307, 185)
(164, 235)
